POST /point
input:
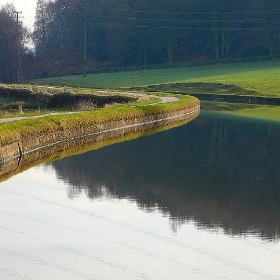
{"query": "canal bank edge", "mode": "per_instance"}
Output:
(51, 130)
(85, 144)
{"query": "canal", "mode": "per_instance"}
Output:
(200, 201)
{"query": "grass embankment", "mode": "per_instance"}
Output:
(18, 130)
(261, 77)
(27, 100)
(257, 79)
(29, 134)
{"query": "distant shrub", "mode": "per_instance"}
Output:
(39, 100)
(84, 104)
(13, 105)
(20, 94)
(50, 98)
(85, 101)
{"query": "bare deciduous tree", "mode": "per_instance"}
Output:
(12, 51)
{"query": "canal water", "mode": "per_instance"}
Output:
(200, 201)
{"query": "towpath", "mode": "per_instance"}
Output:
(164, 99)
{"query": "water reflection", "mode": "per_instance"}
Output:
(220, 173)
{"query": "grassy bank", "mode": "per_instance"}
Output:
(256, 79)
(27, 100)
(260, 78)
(18, 130)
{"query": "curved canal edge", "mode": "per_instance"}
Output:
(39, 134)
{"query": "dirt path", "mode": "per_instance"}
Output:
(7, 120)
(164, 99)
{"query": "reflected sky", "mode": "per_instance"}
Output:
(46, 235)
(199, 201)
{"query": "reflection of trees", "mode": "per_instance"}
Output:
(216, 172)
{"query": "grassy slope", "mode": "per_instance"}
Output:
(9, 132)
(262, 77)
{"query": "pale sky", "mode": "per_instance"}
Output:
(27, 7)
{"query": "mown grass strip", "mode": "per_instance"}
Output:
(17, 130)
(263, 77)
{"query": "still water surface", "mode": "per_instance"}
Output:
(201, 201)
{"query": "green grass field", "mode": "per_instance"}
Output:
(20, 129)
(254, 78)
(262, 77)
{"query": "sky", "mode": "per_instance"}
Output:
(27, 7)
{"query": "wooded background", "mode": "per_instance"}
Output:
(136, 33)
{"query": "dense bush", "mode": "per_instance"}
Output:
(21, 94)
(74, 101)
(42, 99)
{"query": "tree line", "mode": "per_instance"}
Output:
(142, 32)
(13, 52)
(128, 33)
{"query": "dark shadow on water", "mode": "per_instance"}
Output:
(219, 173)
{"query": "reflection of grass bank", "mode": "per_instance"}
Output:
(262, 112)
